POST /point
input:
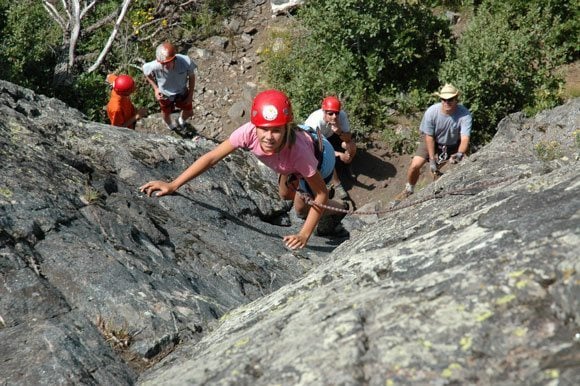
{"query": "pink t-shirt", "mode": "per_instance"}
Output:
(299, 159)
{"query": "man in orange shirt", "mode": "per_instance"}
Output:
(120, 109)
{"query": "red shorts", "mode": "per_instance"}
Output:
(168, 105)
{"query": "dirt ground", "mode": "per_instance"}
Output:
(376, 176)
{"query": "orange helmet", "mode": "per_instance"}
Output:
(123, 84)
(271, 108)
(165, 52)
(331, 103)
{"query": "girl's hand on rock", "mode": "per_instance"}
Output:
(295, 241)
(161, 188)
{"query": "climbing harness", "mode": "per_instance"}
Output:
(442, 158)
(468, 190)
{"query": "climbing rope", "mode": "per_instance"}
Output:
(466, 190)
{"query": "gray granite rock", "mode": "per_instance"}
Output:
(79, 244)
(477, 283)
(473, 281)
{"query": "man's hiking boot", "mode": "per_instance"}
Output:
(403, 195)
(328, 223)
(400, 197)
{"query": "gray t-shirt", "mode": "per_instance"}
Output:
(172, 82)
(316, 120)
(446, 129)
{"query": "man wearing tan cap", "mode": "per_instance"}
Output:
(445, 131)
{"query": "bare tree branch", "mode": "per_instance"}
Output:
(105, 20)
(75, 32)
(160, 28)
(54, 14)
(88, 8)
(154, 21)
(70, 13)
(151, 35)
(66, 8)
(107, 47)
(189, 2)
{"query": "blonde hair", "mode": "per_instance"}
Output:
(290, 137)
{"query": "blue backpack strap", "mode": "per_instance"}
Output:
(318, 143)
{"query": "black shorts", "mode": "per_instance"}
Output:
(336, 142)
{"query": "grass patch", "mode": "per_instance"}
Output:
(548, 150)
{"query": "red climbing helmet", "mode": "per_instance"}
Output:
(123, 84)
(271, 108)
(165, 53)
(331, 103)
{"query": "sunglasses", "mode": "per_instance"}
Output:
(331, 113)
(450, 100)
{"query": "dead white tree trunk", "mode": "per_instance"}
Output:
(68, 16)
(124, 8)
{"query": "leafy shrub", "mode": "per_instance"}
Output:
(89, 94)
(365, 51)
(558, 17)
(27, 45)
(505, 63)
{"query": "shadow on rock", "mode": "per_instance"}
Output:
(365, 164)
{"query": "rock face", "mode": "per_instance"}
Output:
(476, 287)
(476, 283)
(87, 262)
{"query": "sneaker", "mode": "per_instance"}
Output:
(339, 192)
(403, 195)
(181, 122)
(171, 127)
(400, 197)
(328, 223)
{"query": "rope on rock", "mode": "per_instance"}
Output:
(466, 190)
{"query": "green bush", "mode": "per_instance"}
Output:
(366, 51)
(27, 44)
(505, 63)
(559, 20)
